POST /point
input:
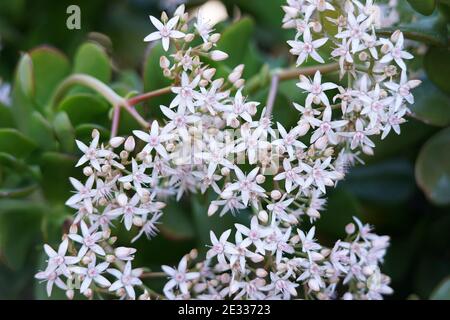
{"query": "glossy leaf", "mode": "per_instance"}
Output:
(433, 168)
(154, 79)
(19, 227)
(85, 108)
(442, 292)
(228, 43)
(437, 67)
(50, 67)
(425, 7)
(432, 106)
(430, 30)
(41, 132)
(24, 76)
(14, 142)
(6, 117)
(56, 169)
(92, 59)
(64, 131)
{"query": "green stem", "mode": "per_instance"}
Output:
(90, 82)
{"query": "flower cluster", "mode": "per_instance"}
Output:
(210, 131)
(299, 266)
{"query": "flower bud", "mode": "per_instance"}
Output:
(116, 141)
(239, 84)
(363, 56)
(123, 155)
(321, 143)
(86, 260)
(189, 37)
(110, 258)
(193, 254)
(260, 179)
(130, 144)
(263, 216)
(124, 253)
(138, 221)
(95, 133)
(214, 38)
(164, 63)
(207, 46)
(164, 17)
(87, 171)
(260, 272)
(106, 234)
(73, 228)
(218, 55)
(144, 296)
(350, 228)
(122, 199)
(209, 73)
(275, 194)
(225, 171)
(257, 258)
(127, 186)
(69, 294)
(396, 35)
(313, 285)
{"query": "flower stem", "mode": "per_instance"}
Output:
(146, 96)
(293, 73)
(272, 94)
(153, 275)
(90, 82)
(113, 98)
(115, 121)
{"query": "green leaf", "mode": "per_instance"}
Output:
(6, 117)
(432, 106)
(176, 223)
(41, 132)
(442, 292)
(92, 59)
(433, 168)
(56, 169)
(24, 76)
(83, 132)
(154, 79)
(228, 43)
(437, 67)
(64, 131)
(388, 182)
(50, 67)
(429, 30)
(341, 207)
(18, 192)
(425, 7)
(19, 228)
(85, 108)
(204, 224)
(15, 143)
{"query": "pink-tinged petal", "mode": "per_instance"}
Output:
(116, 285)
(141, 135)
(156, 23)
(81, 146)
(49, 251)
(177, 34)
(102, 281)
(152, 37)
(98, 250)
(63, 247)
(76, 237)
(85, 285)
(172, 22)
(130, 292)
(182, 266)
(166, 43)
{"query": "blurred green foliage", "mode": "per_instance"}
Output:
(404, 190)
